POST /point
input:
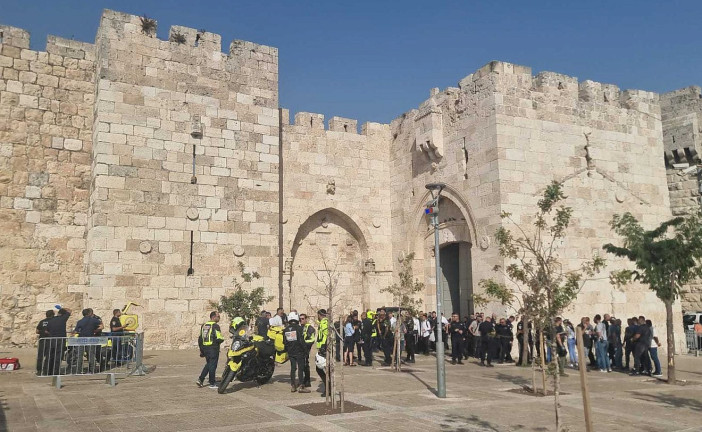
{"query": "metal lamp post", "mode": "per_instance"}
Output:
(432, 211)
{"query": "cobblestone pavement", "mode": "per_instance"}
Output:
(478, 400)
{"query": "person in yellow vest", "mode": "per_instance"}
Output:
(209, 341)
(308, 333)
(322, 333)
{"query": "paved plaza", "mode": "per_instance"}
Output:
(478, 400)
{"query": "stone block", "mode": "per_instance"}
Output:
(73, 144)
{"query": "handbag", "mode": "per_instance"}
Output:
(432, 338)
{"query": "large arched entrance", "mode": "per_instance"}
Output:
(455, 253)
(329, 244)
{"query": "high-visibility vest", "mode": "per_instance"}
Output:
(309, 336)
(208, 335)
(322, 333)
(375, 328)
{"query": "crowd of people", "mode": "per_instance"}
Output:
(488, 339)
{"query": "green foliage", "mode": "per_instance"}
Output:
(240, 302)
(542, 288)
(666, 258)
(148, 25)
(405, 294)
(178, 38)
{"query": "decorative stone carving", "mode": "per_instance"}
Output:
(376, 222)
(145, 247)
(288, 265)
(369, 266)
(238, 251)
(484, 242)
(401, 256)
(192, 213)
(331, 187)
(325, 223)
(619, 196)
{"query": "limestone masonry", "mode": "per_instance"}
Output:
(136, 169)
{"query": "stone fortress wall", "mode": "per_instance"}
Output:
(114, 155)
(682, 129)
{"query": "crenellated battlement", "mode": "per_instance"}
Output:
(315, 121)
(121, 26)
(20, 39)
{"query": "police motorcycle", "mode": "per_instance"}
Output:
(249, 358)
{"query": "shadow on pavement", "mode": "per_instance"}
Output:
(429, 387)
(670, 400)
(516, 380)
(471, 423)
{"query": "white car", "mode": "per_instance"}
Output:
(690, 319)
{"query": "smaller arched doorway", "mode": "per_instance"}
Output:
(328, 244)
(455, 255)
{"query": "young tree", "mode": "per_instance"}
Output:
(536, 271)
(328, 277)
(666, 258)
(405, 296)
(243, 303)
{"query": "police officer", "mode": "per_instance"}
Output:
(456, 329)
(387, 339)
(296, 348)
(43, 348)
(510, 326)
(487, 338)
(308, 334)
(367, 334)
(209, 340)
(503, 334)
(322, 334)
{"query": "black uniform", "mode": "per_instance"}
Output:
(457, 330)
(43, 348)
(387, 340)
(520, 341)
(294, 341)
(57, 328)
(410, 339)
(487, 342)
(503, 334)
(510, 326)
(367, 337)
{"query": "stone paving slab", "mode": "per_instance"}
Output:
(478, 400)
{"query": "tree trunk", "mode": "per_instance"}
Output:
(670, 336)
(556, 382)
(543, 361)
(525, 342)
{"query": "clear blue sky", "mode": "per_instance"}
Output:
(374, 60)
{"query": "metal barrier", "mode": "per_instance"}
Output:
(108, 355)
(693, 342)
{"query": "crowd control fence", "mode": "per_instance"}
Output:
(693, 342)
(108, 355)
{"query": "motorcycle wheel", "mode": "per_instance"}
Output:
(226, 379)
(267, 372)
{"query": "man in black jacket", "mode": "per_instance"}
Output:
(367, 337)
(294, 341)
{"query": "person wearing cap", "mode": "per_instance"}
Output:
(387, 339)
(322, 334)
(367, 331)
(308, 333)
(294, 341)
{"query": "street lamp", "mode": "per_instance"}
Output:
(432, 211)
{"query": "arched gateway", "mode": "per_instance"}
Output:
(456, 240)
(327, 241)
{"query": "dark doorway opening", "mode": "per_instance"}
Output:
(456, 279)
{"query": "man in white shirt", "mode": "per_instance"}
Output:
(653, 351)
(473, 329)
(602, 345)
(425, 333)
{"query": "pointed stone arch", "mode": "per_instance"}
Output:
(332, 235)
